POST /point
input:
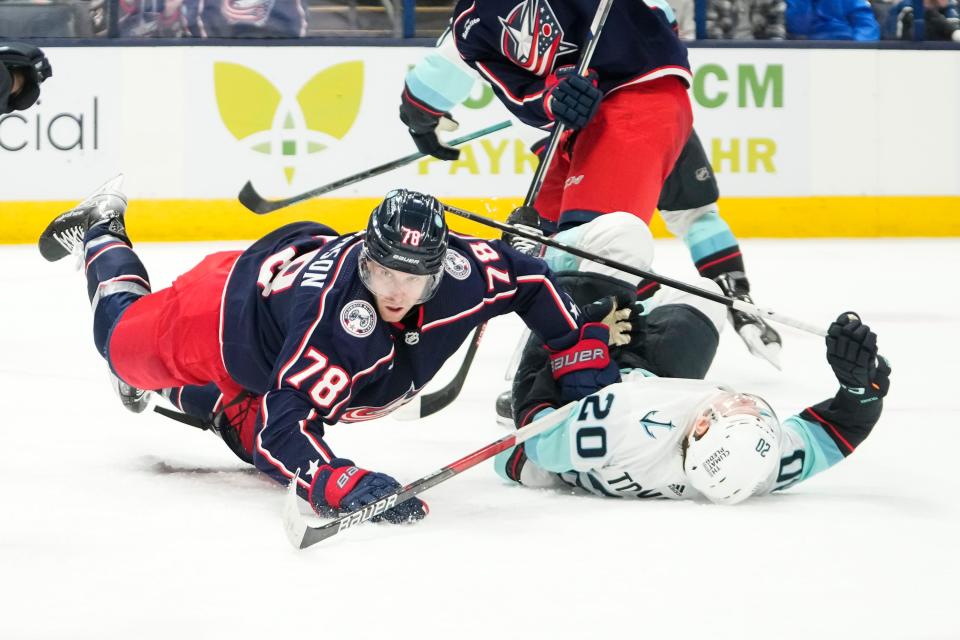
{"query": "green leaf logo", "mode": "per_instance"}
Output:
(265, 121)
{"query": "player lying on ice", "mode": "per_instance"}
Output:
(681, 437)
(325, 327)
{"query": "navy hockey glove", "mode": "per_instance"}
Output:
(570, 98)
(32, 66)
(342, 487)
(852, 354)
(582, 366)
(423, 122)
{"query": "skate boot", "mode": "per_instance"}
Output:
(505, 409)
(132, 399)
(525, 219)
(64, 236)
(760, 338)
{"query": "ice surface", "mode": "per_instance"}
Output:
(121, 526)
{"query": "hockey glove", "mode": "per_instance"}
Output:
(34, 68)
(342, 487)
(525, 219)
(423, 122)
(852, 354)
(621, 315)
(582, 366)
(570, 98)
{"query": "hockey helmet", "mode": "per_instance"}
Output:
(407, 232)
(733, 448)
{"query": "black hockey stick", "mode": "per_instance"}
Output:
(733, 303)
(429, 403)
(258, 204)
(436, 401)
(303, 535)
(599, 19)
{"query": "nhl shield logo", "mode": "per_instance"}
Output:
(532, 36)
(411, 337)
(358, 318)
(456, 265)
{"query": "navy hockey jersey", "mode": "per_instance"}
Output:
(300, 329)
(515, 45)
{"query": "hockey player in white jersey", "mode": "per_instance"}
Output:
(663, 431)
(650, 437)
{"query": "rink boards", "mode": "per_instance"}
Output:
(806, 143)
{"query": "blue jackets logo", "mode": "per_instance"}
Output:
(532, 36)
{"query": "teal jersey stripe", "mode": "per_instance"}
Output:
(820, 452)
(551, 450)
(707, 235)
(439, 82)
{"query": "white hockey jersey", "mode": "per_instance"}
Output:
(625, 442)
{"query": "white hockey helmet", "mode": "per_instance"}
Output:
(733, 448)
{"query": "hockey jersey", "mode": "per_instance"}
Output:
(516, 45)
(300, 329)
(625, 441)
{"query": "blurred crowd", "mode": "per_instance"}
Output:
(861, 20)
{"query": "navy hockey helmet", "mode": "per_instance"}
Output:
(407, 232)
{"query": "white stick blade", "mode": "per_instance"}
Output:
(293, 523)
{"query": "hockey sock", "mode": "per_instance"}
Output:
(712, 245)
(115, 279)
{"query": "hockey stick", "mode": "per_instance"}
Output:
(258, 204)
(430, 403)
(733, 303)
(303, 535)
(449, 393)
(599, 19)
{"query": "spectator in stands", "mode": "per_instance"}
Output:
(746, 19)
(22, 68)
(831, 20)
(246, 18)
(152, 18)
(941, 20)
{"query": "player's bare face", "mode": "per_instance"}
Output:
(395, 292)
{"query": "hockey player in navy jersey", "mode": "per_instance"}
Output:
(688, 198)
(632, 105)
(325, 328)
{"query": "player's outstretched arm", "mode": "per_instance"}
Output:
(827, 432)
(437, 84)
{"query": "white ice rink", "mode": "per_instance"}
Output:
(116, 526)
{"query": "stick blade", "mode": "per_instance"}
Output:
(293, 523)
(253, 201)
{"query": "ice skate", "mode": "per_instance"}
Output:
(133, 399)
(761, 339)
(505, 409)
(64, 236)
(525, 219)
